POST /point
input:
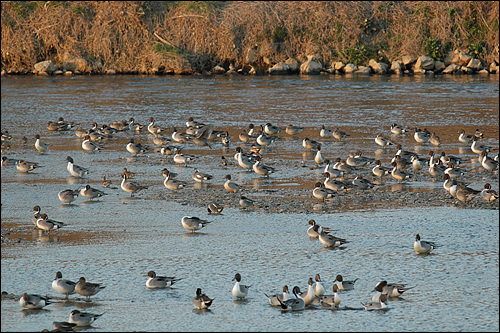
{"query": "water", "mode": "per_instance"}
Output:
(118, 239)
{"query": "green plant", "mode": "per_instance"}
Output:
(477, 49)
(279, 34)
(356, 55)
(433, 48)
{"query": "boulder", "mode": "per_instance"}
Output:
(338, 66)
(452, 68)
(408, 60)
(74, 63)
(493, 67)
(439, 66)
(363, 70)
(311, 67)
(44, 67)
(425, 62)
(252, 55)
(350, 68)
(397, 67)
(293, 65)
(466, 70)
(475, 64)
(280, 68)
(378, 67)
(218, 70)
(458, 57)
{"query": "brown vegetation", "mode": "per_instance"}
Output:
(154, 37)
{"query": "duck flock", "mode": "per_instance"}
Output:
(351, 173)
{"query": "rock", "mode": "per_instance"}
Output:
(458, 58)
(363, 70)
(293, 65)
(408, 60)
(425, 62)
(350, 68)
(419, 71)
(75, 63)
(452, 68)
(493, 67)
(339, 66)
(311, 67)
(280, 68)
(439, 66)
(378, 67)
(110, 71)
(397, 67)
(484, 72)
(218, 70)
(252, 55)
(58, 72)
(467, 70)
(475, 64)
(44, 67)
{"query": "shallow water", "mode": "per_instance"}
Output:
(117, 239)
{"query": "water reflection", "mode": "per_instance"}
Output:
(32, 312)
(74, 180)
(202, 311)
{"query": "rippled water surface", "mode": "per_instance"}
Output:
(116, 240)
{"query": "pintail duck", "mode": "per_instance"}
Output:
(419, 163)
(466, 194)
(322, 193)
(119, 126)
(465, 138)
(362, 183)
(82, 319)
(193, 123)
(52, 126)
(271, 129)
(161, 141)
(246, 202)
(447, 182)
(202, 301)
(245, 160)
(90, 145)
(343, 284)
(6, 136)
(339, 134)
(399, 129)
(319, 288)
(133, 126)
(333, 184)
(379, 170)
(239, 290)
(401, 163)
(392, 289)
(435, 140)
(405, 155)
(422, 246)
(331, 300)
(76, 170)
(261, 169)
(383, 141)
(36, 215)
(318, 158)
(325, 132)
(42, 147)
(88, 289)
(91, 193)
(226, 139)
(329, 240)
(130, 186)
(95, 136)
(334, 173)
(168, 150)
(160, 282)
(180, 137)
(488, 193)
(454, 172)
(231, 186)
(436, 169)
(25, 166)
(201, 177)
(399, 174)
(193, 223)
(243, 136)
(80, 132)
(33, 301)
(136, 148)
(421, 136)
(154, 128)
(375, 306)
(478, 148)
(265, 140)
(488, 163)
(354, 161)
(251, 131)
(68, 196)
(180, 158)
(450, 159)
(105, 182)
(309, 296)
(172, 184)
(63, 286)
(293, 130)
(275, 299)
(62, 326)
(67, 125)
(315, 233)
(343, 166)
(9, 161)
(214, 208)
(44, 223)
(310, 144)
(293, 304)
(127, 173)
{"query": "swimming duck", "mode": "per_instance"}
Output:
(134, 126)
(33, 301)
(68, 196)
(423, 247)
(339, 134)
(392, 289)
(465, 138)
(160, 282)
(271, 129)
(193, 223)
(331, 300)
(276, 298)
(82, 319)
(383, 141)
(76, 170)
(319, 288)
(343, 284)
(399, 129)
(329, 240)
(293, 304)
(421, 136)
(239, 290)
(309, 296)
(202, 301)
(325, 132)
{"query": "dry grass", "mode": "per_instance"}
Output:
(155, 37)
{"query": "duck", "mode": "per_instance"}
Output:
(180, 137)
(478, 148)
(334, 173)
(244, 137)
(331, 300)
(376, 306)
(76, 170)
(293, 130)
(80, 132)
(318, 158)
(245, 160)
(106, 182)
(25, 166)
(251, 131)
(168, 150)
(91, 193)
(46, 224)
(435, 140)
(421, 136)
(68, 196)
(130, 186)
(466, 194)
(465, 138)
(329, 240)
(9, 161)
(215, 208)
(319, 288)
(399, 129)
(63, 286)
(262, 169)
(154, 128)
(88, 289)
(343, 284)
(401, 163)
(246, 202)
(225, 140)
(33, 301)
(418, 163)
(454, 172)
(488, 193)
(193, 123)
(379, 170)
(82, 319)
(270, 129)
(36, 215)
(62, 326)
(293, 304)
(193, 223)
(202, 301)
(399, 175)
(325, 132)
(239, 290)
(52, 126)
(201, 177)
(321, 192)
(265, 140)
(333, 184)
(180, 158)
(309, 295)
(127, 173)
(423, 247)
(42, 147)
(339, 134)
(313, 232)
(488, 163)
(136, 148)
(392, 289)
(275, 299)
(436, 169)
(383, 141)
(404, 154)
(90, 145)
(134, 126)
(231, 186)
(450, 159)
(362, 183)
(160, 282)
(310, 144)
(119, 126)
